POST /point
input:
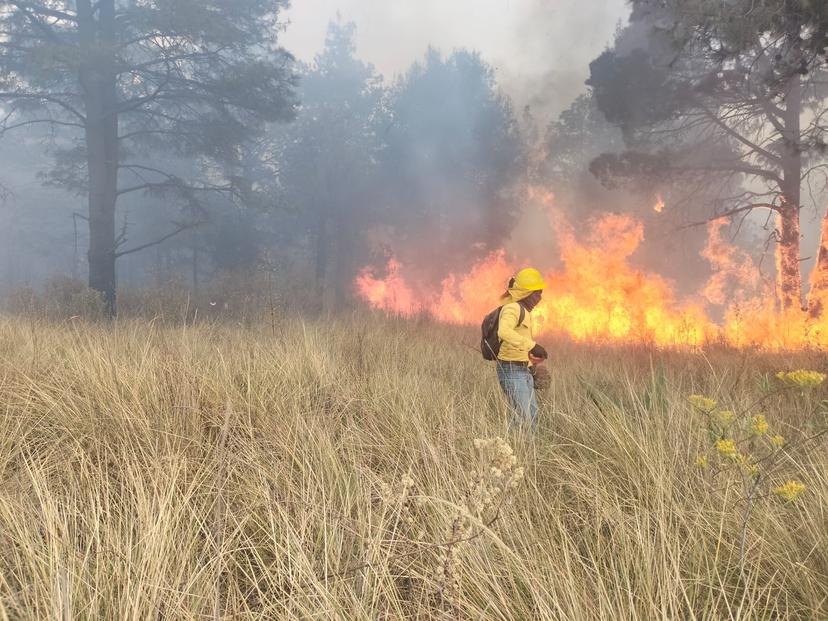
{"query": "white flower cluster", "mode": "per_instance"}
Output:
(499, 476)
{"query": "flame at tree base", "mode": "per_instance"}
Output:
(599, 297)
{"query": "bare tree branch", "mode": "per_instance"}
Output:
(7, 128)
(43, 10)
(180, 228)
(736, 135)
(11, 96)
(729, 214)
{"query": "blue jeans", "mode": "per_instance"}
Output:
(519, 386)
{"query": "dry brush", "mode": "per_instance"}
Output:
(329, 469)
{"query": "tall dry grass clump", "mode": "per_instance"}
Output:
(361, 469)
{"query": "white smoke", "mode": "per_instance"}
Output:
(541, 49)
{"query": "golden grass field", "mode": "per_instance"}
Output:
(328, 470)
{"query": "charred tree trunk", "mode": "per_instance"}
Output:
(788, 263)
(789, 276)
(98, 82)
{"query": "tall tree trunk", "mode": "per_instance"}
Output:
(789, 275)
(789, 281)
(818, 296)
(101, 217)
(98, 82)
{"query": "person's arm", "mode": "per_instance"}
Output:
(506, 329)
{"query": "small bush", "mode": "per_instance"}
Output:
(60, 298)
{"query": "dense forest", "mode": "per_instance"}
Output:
(159, 144)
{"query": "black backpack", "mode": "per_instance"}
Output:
(490, 342)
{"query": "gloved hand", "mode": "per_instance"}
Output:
(541, 377)
(538, 352)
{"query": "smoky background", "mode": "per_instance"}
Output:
(432, 135)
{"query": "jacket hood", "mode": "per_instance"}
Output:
(516, 295)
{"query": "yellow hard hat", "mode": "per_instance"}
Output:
(529, 279)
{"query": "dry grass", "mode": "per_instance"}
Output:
(209, 472)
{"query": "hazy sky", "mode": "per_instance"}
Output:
(540, 48)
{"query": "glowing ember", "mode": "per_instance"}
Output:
(659, 206)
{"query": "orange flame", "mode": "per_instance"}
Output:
(390, 294)
(599, 296)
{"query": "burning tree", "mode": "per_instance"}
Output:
(119, 80)
(732, 95)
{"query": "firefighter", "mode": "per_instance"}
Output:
(519, 352)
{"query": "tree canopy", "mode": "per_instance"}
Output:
(327, 158)
(730, 94)
(121, 80)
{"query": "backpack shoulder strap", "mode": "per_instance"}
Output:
(522, 315)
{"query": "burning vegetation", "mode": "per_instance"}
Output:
(326, 173)
(237, 446)
(599, 294)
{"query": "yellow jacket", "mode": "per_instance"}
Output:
(516, 339)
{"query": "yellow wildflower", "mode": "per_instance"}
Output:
(705, 404)
(801, 378)
(725, 417)
(778, 441)
(701, 461)
(727, 448)
(759, 426)
(790, 491)
(752, 470)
